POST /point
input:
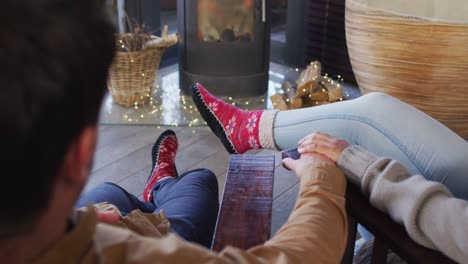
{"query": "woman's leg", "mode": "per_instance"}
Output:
(116, 195)
(191, 204)
(377, 122)
(386, 127)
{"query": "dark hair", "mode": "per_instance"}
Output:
(54, 60)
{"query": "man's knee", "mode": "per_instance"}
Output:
(109, 186)
(204, 176)
(208, 176)
(98, 194)
(103, 191)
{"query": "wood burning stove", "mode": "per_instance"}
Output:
(225, 45)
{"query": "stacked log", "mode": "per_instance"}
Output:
(310, 89)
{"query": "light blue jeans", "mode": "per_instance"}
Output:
(387, 127)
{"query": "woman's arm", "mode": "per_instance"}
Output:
(427, 209)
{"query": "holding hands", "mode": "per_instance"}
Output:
(316, 149)
(323, 144)
(306, 162)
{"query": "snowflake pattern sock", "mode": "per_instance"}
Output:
(163, 155)
(238, 130)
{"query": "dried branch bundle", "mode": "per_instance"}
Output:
(133, 41)
(140, 39)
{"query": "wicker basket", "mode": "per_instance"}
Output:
(132, 75)
(419, 58)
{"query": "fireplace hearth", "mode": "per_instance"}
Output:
(225, 45)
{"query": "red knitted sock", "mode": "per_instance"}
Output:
(237, 129)
(163, 154)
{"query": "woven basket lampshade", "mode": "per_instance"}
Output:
(132, 75)
(416, 51)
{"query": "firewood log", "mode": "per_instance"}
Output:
(279, 102)
(309, 79)
(335, 94)
(320, 95)
(297, 102)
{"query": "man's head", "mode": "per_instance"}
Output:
(54, 59)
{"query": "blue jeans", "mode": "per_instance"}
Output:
(387, 127)
(190, 203)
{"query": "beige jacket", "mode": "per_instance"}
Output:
(315, 232)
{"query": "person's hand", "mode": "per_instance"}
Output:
(306, 162)
(107, 217)
(324, 144)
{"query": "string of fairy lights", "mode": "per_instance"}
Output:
(164, 104)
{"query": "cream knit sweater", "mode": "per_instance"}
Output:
(427, 209)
